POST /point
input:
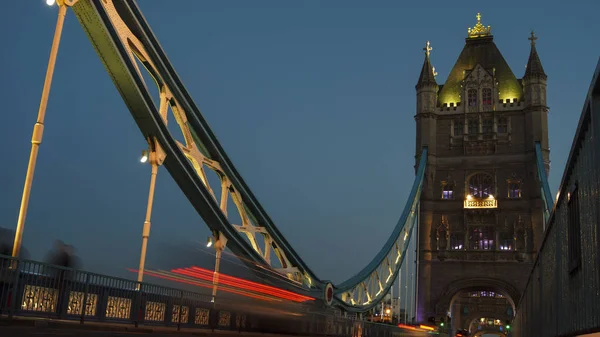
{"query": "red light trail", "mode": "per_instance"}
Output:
(203, 277)
(207, 275)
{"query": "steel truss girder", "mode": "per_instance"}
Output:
(121, 35)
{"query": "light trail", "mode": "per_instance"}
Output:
(203, 278)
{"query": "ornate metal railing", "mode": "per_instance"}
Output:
(34, 289)
(481, 203)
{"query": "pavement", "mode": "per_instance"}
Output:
(25, 327)
(10, 331)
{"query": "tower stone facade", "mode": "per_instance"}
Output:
(481, 218)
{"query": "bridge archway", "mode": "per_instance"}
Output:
(470, 299)
(489, 326)
(453, 290)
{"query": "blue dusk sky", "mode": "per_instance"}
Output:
(312, 100)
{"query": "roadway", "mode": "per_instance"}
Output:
(21, 326)
(20, 331)
(31, 331)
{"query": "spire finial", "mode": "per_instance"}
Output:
(532, 38)
(479, 30)
(428, 48)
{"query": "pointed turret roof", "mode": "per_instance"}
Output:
(480, 49)
(534, 65)
(427, 72)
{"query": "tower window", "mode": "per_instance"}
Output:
(457, 241)
(448, 191)
(485, 293)
(482, 238)
(506, 242)
(486, 94)
(488, 125)
(481, 185)
(458, 127)
(574, 233)
(473, 126)
(472, 97)
(514, 189)
(502, 125)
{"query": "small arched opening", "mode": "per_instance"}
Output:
(468, 300)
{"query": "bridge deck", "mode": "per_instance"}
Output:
(30, 326)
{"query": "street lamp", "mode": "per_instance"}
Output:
(144, 157)
(50, 2)
(38, 129)
(156, 156)
(219, 243)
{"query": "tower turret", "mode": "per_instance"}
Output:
(427, 87)
(427, 91)
(534, 88)
(427, 97)
(534, 80)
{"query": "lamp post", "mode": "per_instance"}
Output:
(220, 241)
(38, 128)
(156, 156)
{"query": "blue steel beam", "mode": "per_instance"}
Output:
(544, 186)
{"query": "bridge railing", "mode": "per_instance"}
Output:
(35, 289)
(561, 297)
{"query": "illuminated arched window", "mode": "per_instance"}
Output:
(447, 190)
(486, 98)
(482, 238)
(481, 185)
(514, 189)
(472, 97)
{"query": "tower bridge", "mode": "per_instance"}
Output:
(480, 209)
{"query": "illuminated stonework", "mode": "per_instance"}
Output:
(481, 203)
(479, 30)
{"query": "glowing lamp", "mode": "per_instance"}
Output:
(209, 242)
(144, 156)
(50, 2)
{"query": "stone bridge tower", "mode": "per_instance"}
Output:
(481, 207)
